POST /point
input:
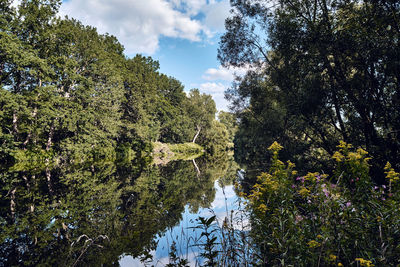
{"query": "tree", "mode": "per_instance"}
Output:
(201, 109)
(331, 67)
(230, 122)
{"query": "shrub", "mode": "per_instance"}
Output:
(314, 219)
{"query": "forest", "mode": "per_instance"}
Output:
(322, 71)
(314, 125)
(318, 129)
(70, 94)
(78, 124)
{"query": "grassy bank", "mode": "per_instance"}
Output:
(164, 153)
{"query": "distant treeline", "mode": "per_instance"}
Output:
(65, 89)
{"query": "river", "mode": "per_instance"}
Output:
(110, 213)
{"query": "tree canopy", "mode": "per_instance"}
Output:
(322, 71)
(68, 91)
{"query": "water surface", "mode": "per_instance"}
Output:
(105, 213)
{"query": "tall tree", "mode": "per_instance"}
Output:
(201, 109)
(331, 66)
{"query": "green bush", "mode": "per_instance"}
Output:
(316, 220)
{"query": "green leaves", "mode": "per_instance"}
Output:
(322, 72)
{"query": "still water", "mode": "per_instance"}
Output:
(103, 213)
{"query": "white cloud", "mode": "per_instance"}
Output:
(224, 74)
(138, 25)
(216, 90)
(215, 15)
(212, 88)
(191, 7)
(221, 73)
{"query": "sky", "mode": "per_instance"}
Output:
(182, 35)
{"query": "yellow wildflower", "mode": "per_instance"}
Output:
(255, 195)
(242, 194)
(338, 156)
(267, 182)
(262, 208)
(391, 174)
(332, 257)
(313, 244)
(363, 262)
(304, 192)
(275, 147)
(319, 236)
(311, 176)
(290, 164)
(343, 144)
(362, 151)
(353, 156)
(340, 264)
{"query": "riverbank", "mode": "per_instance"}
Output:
(164, 153)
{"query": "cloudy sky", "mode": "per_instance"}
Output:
(182, 35)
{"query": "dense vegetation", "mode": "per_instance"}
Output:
(321, 71)
(322, 74)
(70, 94)
(320, 220)
(91, 214)
(78, 124)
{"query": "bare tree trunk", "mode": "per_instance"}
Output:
(48, 177)
(197, 134)
(49, 139)
(27, 140)
(12, 203)
(15, 122)
(28, 186)
(197, 168)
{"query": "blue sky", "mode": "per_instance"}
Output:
(182, 35)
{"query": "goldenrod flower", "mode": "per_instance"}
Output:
(275, 146)
(304, 192)
(262, 208)
(338, 156)
(391, 174)
(313, 244)
(363, 262)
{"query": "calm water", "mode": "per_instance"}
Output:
(109, 213)
(183, 234)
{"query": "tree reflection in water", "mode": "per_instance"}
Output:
(93, 214)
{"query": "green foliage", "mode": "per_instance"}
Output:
(209, 245)
(164, 153)
(90, 214)
(174, 259)
(230, 122)
(68, 89)
(317, 220)
(216, 138)
(321, 72)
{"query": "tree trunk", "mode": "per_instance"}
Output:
(12, 203)
(15, 122)
(197, 134)
(48, 177)
(49, 139)
(197, 167)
